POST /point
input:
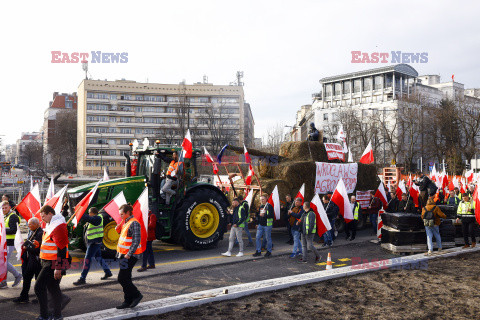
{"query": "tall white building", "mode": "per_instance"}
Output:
(373, 91)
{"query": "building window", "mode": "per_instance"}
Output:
(139, 98)
(113, 97)
(124, 141)
(149, 109)
(357, 85)
(138, 131)
(90, 140)
(112, 130)
(172, 99)
(138, 109)
(170, 110)
(126, 130)
(325, 117)
(203, 99)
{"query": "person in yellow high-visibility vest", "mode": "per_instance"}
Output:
(352, 225)
(11, 223)
(466, 213)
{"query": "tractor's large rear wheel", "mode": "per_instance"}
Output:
(110, 237)
(200, 221)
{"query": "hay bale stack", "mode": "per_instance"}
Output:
(298, 151)
(367, 178)
(296, 173)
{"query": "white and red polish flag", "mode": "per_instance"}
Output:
(401, 189)
(323, 224)
(469, 175)
(55, 202)
(3, 248)
(140, 212)
(50, 191)
(367, 156)
(477, 203)
(30, 204)
(274, 200)
(187, 145)
(208, 157)
(381, 194)
(82, 206)
(249, 198)
(248, 179)
(414, 192)
(340, 198)
(301, 193)
(113, 207)
(247, 156)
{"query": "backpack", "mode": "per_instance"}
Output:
(429, 218)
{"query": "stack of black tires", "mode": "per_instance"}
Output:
(405, 232)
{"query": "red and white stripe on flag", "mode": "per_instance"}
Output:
(340, 198)
(247, 156)
(113, 207)
(274, 201)
(55, 202)
(248, 179)
(249, 198)
(208, 157)
(301, 193)
(140, 212)
(50, 191)
(82, 206)
(367, 156)
(187, 146)
(382, 195)
(30, 204)
(414, 193)
(323, 224)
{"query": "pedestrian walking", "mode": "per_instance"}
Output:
(12, 221)
(129, 249)
(54, 260)
(351, 227)
(308, 225)
(30, 258)
(239, 216)
(94, 245)
(148, 256)
(264, 227)
(295, 214)
(431, 215)
(466, 214)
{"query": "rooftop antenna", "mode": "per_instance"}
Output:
(205, 78)
(238, 81)
(85, 68)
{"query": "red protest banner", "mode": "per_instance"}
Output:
(334, 151)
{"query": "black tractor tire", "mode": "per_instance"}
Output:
(182, 231)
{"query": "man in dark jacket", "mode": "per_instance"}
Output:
(392, 203)
(30, 258)
(94, 241)
(313, 134)
(264, 228)
(374, 206)
(426, 187)
(332, 210)
(452, 199)
(308, 225)
(294, 215)
(239, 216)
(406, 205)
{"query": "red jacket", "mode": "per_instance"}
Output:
(152, 224)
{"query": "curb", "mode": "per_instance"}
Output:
(170, 304)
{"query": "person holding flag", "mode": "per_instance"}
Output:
(12, 222)
(54, 260)
(264, 228)
(128, 250)
(94, 245)
(295, 214)
(308, 223)
(374, 206)
(352, 225)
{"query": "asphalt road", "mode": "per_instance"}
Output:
(179, 271)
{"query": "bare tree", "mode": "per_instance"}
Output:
(274, 138)
(63, 146)
(32, 154)
(215, 118)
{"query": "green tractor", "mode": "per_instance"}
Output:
(195, 217)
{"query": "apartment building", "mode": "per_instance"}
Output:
(113, 113)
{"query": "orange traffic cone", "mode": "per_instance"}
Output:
(329, 262)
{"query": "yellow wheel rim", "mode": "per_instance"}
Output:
(110, 236)
(204, 220)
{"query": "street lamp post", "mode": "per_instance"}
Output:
(101, 153)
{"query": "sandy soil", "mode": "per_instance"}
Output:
(445, 289)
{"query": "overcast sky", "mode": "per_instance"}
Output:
(283, 47)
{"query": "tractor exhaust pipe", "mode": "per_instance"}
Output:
(128, 165)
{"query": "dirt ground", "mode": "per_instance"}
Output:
(442, 289)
